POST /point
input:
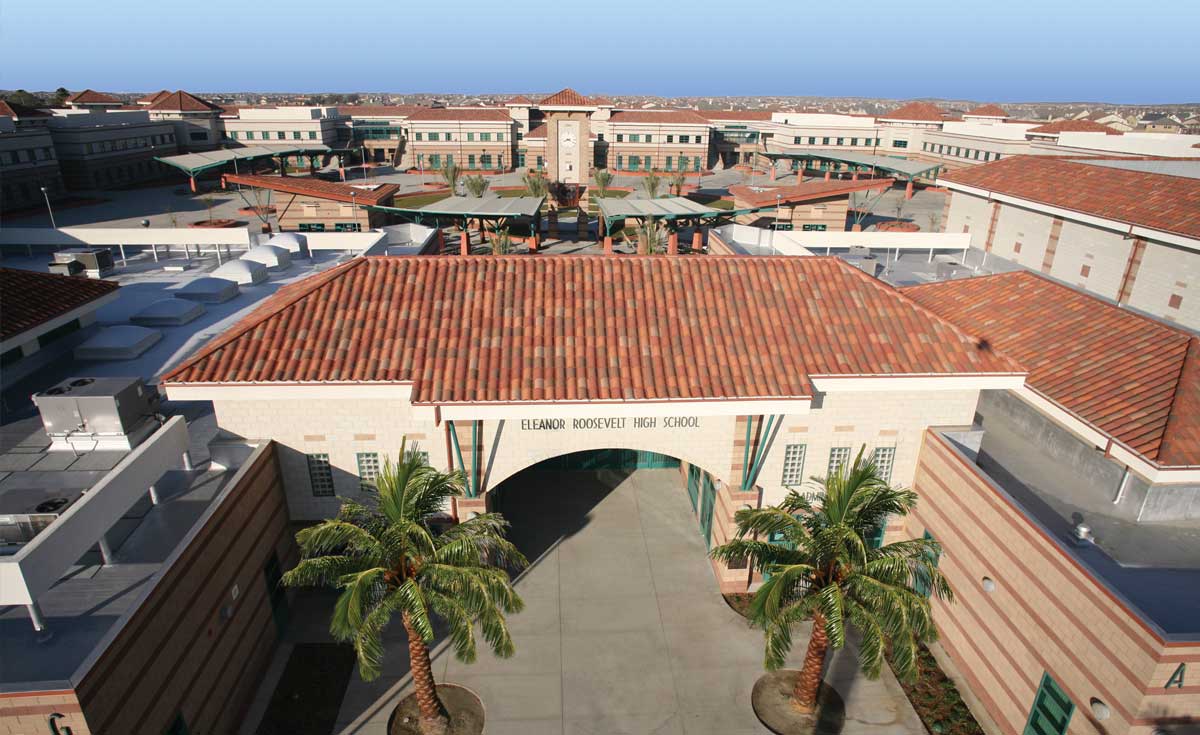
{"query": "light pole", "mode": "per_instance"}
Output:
(354, 207)
(778, 200)
(46, 196)
(366, 175)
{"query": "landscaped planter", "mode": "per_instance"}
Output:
(897, 226)
(257, 210)
(462, 705)
(216, 223)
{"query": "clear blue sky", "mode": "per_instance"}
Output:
(1132, 51)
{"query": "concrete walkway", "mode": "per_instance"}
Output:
(624, 630)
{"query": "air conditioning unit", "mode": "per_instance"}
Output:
(96, 262)
(98, 413)
(26, 512)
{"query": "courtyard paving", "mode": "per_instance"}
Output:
(624, 630)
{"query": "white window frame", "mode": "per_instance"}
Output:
(838, 456)
(320, 473)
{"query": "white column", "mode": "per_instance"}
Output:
(187, 461)
(154, 495)
(106, 553)
(35, 617)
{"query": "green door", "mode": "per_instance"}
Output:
(1052, 709)
(276, 594)
(707, 501)
(694, 485)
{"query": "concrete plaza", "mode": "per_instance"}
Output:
(624, 630)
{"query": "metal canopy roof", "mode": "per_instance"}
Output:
(899, 166)
(194, 163)
(488, 207)
(664, 208)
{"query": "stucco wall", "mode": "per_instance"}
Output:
(969, 214)
(1104, 252)
(1167, 271)
(1023, 229)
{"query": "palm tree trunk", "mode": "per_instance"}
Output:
(808, 684)
(433, 718)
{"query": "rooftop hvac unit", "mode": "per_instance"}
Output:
(96, 262)
(95, 413)
(26, 512)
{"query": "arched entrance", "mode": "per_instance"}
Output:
(624, 627)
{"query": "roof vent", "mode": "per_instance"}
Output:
(1081, 535)
(53, 505)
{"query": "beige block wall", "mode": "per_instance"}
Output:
(1105, 253)
(1045, 615)
(1168, 271)
(339, 428)
(970, 214)
(876, 419)
(1030, 231)
(28, 713)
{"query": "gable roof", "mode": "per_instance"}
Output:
(557, 328)
(987, 111)
(915, 111)
(32, 298)
(378, 110)
(153, 97)
(1073, 126)
(319, 188)
(684, 117)
(755, 115)
(181, 101)
(18, 111)
(1154, 200)
(92, 97)
(1135, 379)
(519, 100)
(566, 98)
(759, 196)
(537, 131)
(478, 114)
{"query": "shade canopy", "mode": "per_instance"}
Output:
(901, 167)
(488, 207)
(194, 163)
(662, 208)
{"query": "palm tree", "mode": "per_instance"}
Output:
(476, 185)
(450, 173)
(651, 184)
(649, 237)
(386, 559)
(603, 180)
(501, 241)
(821, 567)
(535, 184)
(677, 180)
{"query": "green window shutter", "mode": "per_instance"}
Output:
(1052, 709)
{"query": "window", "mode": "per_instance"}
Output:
(368, 470)
(320, 475)
(668, 163)
(620, 137)
(685, 139)
(485, 137)
(671, 139)
(295, 135)
(280, 135)
(520, 159)
(312, 135)
(647, 138)
(347, 227)
(620, 162)
(435, 160)
(922, 584)
(416, 136)
(486, 160)
(312, 227)
(899, 143)
(471, 160)
(796, 139)
(1051, 711)
(635, 137)
(540, 163)
(884, 458)
(812, 228)
(793, 465)
(249, 135)
(499, 136)
(812, 141)
(824, 141)
(470, 137)
(838, 456)
(854, 141)
(841, 141)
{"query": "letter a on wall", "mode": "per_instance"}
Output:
(1176, 679)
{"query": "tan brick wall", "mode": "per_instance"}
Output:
(1167, 272)
(28, 713)
(1045, 614)
(191, 648)
(970, 214)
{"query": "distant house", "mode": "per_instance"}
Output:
(305, 204)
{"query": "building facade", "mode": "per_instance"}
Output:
(28, 160)
(304, 204)
(110, 149)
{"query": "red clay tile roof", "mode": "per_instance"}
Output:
(760, 115)
(601, 101)
(31, 298)
(154, 97)
(181, 101)
(378, 110)
(308, 186)
(581, 328)
(17, 111)
(1074, 126)
(987, 111)
(665, 117)
(1123, 373)
(918, 111)
(567, 98)
(538, 131)
(92, 97)
(759, 196)
(518, 100)
(1158, 201)
(480, 114)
